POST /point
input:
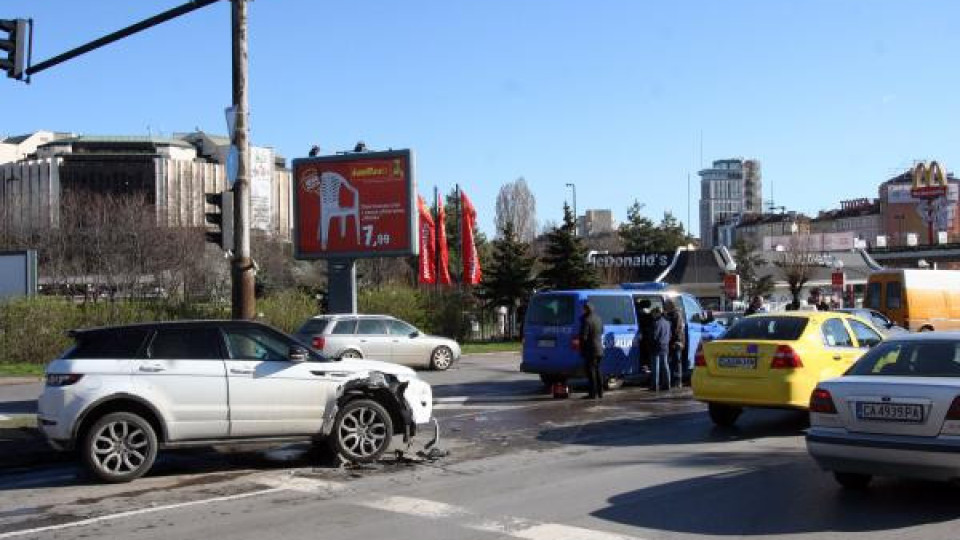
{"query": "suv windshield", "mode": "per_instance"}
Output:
(925, 358)
(768, 328)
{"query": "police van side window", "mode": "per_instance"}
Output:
(614, 309)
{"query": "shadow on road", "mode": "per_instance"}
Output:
(682, 428)
(761, 502)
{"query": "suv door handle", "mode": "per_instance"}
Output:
(241, 371)
(152, 368)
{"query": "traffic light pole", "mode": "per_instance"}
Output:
(241, 270)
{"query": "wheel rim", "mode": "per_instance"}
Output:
(120, 447)
(363, 431)
(442, 358)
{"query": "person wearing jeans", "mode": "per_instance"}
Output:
(660, 371)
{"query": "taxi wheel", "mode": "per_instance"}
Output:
(724, 415)
(854, 481)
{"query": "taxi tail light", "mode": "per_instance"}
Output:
(319, 342)
(954, 412)
(822, 402)
(785, 358)
(575, 344)
(700, 359)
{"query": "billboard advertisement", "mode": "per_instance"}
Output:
(261, 188)
(355, 205)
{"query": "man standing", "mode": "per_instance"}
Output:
(591, 349)
(756, 306)
(678, 337)
(661, 352)
(817, 300)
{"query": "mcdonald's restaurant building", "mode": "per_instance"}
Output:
(908, 220)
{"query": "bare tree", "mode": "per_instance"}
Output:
(797, 264)
(517, 205)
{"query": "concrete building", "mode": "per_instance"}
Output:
(905, 218)
(858, 216)
(594, 222)
(24, 146)
(173, 174)
(730, 188)
(756, 228)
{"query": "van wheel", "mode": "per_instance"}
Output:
(724, 415)
(853, 481)
(549, 380)
(120, 447)
(363, 431)
(614, 383)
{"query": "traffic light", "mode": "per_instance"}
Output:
(13, 46)
(221, 219)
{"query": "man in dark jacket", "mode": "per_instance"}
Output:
(678, 339)
(591, 349)
(660, 372)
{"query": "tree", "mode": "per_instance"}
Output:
(748, 262)
(640, 233)
(517, 206)
(565, 261)
(796, 264)
(508, 281)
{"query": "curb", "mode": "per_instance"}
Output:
(8, 381)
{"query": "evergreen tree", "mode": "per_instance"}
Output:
(565, 262)
(748, 263)
(508, 281)
(639, 233)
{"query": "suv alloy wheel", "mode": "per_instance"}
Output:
(363, 431)
(120, 447)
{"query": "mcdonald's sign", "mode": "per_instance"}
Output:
(929, 181)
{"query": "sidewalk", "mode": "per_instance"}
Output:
(6, 381)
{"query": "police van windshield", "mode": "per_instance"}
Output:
(551, 310)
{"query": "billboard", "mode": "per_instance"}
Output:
(261, 188)
(354, 205)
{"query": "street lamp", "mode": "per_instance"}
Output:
(576, 218)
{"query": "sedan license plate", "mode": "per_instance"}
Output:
(740, 362)
(890, 412)
(550, 342)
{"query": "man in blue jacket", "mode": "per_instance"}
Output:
(660, 370)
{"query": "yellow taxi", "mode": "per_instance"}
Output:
(775, 360)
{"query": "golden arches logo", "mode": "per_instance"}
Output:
(929, 180)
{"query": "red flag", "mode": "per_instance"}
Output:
(427, 230)
(471, 261)
(443, 272)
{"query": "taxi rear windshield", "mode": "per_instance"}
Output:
(769, 328)
(551, 310)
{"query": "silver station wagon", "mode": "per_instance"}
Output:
(378, 337)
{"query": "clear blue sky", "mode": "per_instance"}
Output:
(833, 97)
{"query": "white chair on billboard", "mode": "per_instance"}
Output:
(330, 184)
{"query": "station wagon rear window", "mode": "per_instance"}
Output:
(927, 358)
(313, 326)
(551, 310)
(768, 328)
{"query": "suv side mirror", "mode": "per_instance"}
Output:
(297, 354)
(414, 334)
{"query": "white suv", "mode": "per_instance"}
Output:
(122, 393)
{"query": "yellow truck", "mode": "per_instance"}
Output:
(918, 300)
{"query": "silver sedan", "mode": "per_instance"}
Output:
(896, 412)
(378, 337)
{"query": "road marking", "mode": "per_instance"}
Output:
(121, 515)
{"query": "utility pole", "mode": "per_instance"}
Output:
(241, 270)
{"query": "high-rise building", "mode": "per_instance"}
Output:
(594, 222)
(731, 187)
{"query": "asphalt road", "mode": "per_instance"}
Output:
(634, 466)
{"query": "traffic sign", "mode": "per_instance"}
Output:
(233, 164)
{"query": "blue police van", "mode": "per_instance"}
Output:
(551, 328)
